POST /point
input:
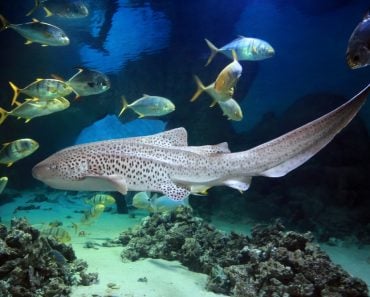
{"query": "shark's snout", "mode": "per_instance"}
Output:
(39, 171)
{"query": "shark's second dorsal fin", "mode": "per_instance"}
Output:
(174, 137)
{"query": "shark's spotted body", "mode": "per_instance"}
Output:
(165, 163)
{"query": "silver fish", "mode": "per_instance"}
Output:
(18, 149)
(358, 50)
(144, 200)
(71, 9)
(38, 32)
(33, 108)
(88, 82)
(42, 89)
(147, 106)
(231, 109)
(246, 48)
(165, 163)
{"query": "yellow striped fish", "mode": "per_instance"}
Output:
(93, 213)
(58, 233)
(103, 199)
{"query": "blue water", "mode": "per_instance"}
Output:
(155, 47)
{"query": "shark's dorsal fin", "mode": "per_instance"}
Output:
(174, 137)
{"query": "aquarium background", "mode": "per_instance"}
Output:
(155, 47)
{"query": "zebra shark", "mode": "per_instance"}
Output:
(165, 163)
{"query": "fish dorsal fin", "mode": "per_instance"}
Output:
(174, 137)
(80, 69)
(221, 148)
(146, 95)
(57, 77)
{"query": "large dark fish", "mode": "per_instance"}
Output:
(358, 50)
(38, 32)
(165, 163)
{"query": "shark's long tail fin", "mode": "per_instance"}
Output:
(283, 154)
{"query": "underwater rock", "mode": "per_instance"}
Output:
(33, 265)
(3, 231)
(27, 207)
(272, 262)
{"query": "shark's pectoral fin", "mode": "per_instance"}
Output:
(239, 184)
(116, 182)
(174, 191)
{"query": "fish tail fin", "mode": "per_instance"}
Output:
(235, 56)
(124, 105)
(48, 12)
(16, 92)
(200, 88)
(4, 23)
(37, 4)
(214, 51)
(3, 115)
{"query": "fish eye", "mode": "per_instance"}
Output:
(356, 58)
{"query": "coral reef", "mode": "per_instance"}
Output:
(272, 262)
(33, 265)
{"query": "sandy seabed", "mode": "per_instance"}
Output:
(146, 277)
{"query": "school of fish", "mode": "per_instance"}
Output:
(162, 163)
